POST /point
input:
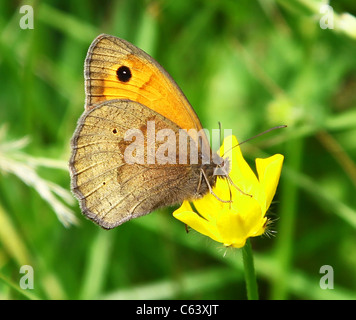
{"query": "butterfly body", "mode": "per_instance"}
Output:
(127, 92)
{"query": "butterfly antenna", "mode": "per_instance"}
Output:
(220, 140)
(257, 135)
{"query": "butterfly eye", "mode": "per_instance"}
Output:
(124, 73)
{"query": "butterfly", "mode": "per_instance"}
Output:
(114, 172)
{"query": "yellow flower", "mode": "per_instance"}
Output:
(232, 223)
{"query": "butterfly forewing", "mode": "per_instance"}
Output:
(150, 84)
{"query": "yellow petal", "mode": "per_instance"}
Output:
(241, 173)
(207, 205)
(184, 207)
(243, 220)
(269, 171)
(251, 215)
(196, 222)
(229, 226)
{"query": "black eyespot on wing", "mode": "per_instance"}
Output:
(124, 74)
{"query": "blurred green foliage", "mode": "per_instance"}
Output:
(248, 64)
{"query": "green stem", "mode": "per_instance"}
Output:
(250, 275)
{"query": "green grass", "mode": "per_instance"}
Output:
(250, 65)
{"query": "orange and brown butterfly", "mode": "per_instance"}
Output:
(126, 89)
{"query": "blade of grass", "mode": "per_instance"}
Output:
(66, 23)
(12, 240)
(96, 265)
(288, 209)
(27, 293)
(189, 284)
(322, 197)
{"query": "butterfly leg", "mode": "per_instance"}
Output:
(211, 190)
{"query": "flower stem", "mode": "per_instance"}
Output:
(250, 275)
